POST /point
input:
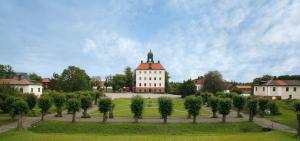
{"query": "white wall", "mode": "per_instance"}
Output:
(142, 74)
(35, 89)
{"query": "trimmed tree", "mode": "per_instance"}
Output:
(165, 107)
(186, 105)
(273, 107)
(73, 106)
(205, 96)
(194, 106)
(21, 108)
(137, 107)
(297, 109)
(86, 102)
(252, 107)
(111, 111)
(239, 103)
(104, 107)
(31, 100)
(214, 102)
(59, 101)
(44, 104)
(224, 108)
(263, 105)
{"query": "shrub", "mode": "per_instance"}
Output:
(224, 108)
(86, 102)
(44, 104)
(73, 106)
(214, 102)
(20, 107)
(31, 100)
(194, 106)
(263, 105)
(165, 107)
(8, 103)
(137, 107)
(239, 103)
(104, 106)
(252, 107)
(186, 105)
(273, 107)
(59, 101)
(205, 97)
(111, 111)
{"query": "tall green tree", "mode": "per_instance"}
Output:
(137, 107)
(224, 108)
(194, 106)
(55, 83)
(167, 82)
(104, 107)
(128, 78)
(44, 104)
(74, 79)
(213, 82)
(118, 82)
(239, 103)
(31, 100)
(186, 105)
(263, 105)
(73, 106)
(35, 77)
(6, 71)
(187, 88)
(165, 107)
(108, 81)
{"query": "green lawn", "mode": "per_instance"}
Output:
(122, 108)
(87, 131)
(287, 116)
(5, 119)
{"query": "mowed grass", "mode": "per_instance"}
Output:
(5, 119)
(287, 116)
(122, 108)
(86, 131)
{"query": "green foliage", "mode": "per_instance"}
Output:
(105, 106)
(137, 107)
(6, 71)
(167, 82)
(205, 96)
(128, 78)
(274, 110)
(263, 78)
(31, 100)
(73, 106)
(214, 102)
(86, 102)
(297, 106)
(59, 101)
(35, 77)
(20, 107)
(165, 107)
(221, 95)
(224, 106)
(186, 105)
(213, 82)
(263, 105)
(193, 106)
(118, 82)
(252, 108)
(187, 88)
(239, 103)
(8, 104)
(44, 104)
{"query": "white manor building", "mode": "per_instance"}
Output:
(24, 86)
(150, 76)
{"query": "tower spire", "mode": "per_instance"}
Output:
(150, 57)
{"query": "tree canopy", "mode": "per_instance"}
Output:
(6, 71)
(35, 77)
(213, 82)
(187, 88)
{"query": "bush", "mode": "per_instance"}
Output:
(186, 105)
(239, 103)
(252, 107)
(214, 102)
(31, 100)
(59, 101)
(263, 105)
(273, 107)
(224, 108)
(194, 106)
(165, 105)
(86, 102)
(104, 106)
(73, 106)
(44, 104)
(205, 97)
(137, 107)
(20, 107)
(8, 103)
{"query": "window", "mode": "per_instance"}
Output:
(145, 78)
(287, 89)
(140, 72)
(255, 88)
(154, 84)
(150, 72)
(274, 89)
(159, 84)
(39, 89)
(263, 88)
(295, 89)
(140, 84)
(154, 78)
(21, 90)
(290, 96)
(159, 72)
(150, 84)
(159, 78)
(32, 90)
(155, 72)
(140, 78)
(149, 78)
(145, 84)
(145, 72)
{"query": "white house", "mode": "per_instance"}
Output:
(278, 89)
(24, 85)
(150, 76)
(199, 82)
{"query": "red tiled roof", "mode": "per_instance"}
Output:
(282, 83)
(150, 66)
(45, 80)
(243, 86)
(17, 82)
(198, 81)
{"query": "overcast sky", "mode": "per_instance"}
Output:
(242, 39)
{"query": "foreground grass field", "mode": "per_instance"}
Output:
(122, 108)
(85, 131)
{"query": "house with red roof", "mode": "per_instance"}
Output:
(198, 82)
(278, 89)
(150, 76)
(24, 85)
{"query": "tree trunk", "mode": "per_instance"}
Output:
(214, 115)
(95, 102)
(189, 116)
(73, 117)
(20, 122)
(250, 116)
(165, 119)
(43, 116)
(104, 117)
(136, 119)
(238, 113)
(224, 118)
(298, 129)
(58, 112)
(194, 119)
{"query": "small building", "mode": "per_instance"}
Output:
(199, 82)
(149, 76)
(45, 82)
(24, 85)
(278, 89)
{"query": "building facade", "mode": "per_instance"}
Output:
(150, 76)
(24, 86)
(199, 82)
(278, 89)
